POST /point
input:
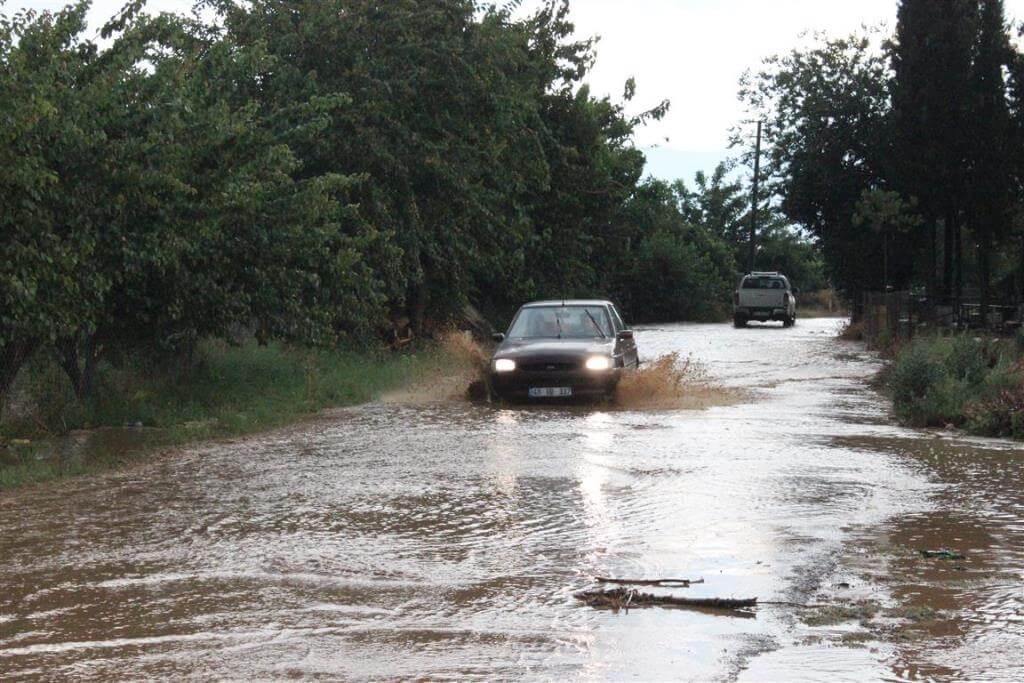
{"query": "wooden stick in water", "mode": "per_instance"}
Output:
(617, 598)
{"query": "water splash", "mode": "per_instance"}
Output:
(457, 374)
(465, 351)
(671, 383)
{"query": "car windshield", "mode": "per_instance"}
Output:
(763, 283)
(561, 322)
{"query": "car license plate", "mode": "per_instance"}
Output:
(550, 392)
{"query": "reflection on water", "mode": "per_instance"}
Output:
(446, 540)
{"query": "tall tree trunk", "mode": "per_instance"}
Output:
(1020, 292)
(13, 356)
(985, 274)
(947, 260)
(856, 306)
(78, 357)
(958, 285)
(933, 251)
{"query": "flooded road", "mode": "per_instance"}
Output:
(446, 541)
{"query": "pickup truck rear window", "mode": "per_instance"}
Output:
(763, 283)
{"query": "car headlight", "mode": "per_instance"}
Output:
(599, 363)
(504, 365)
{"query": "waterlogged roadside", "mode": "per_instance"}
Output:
(943, 586)
(81, 452)
(235, 392)
(935, 592)
(877, 606)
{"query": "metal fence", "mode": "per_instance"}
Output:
(891, 317)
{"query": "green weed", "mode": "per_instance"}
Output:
(225, 391)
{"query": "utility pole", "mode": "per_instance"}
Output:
(753, 201)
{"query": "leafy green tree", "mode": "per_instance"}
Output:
(675, 280)
(1015, 88)
(442, 127)
(990, 162)
(783, 249)
(486, 163)
(222, 231)
(827, 132)
(719, 204)
(46, 274)
(676, 270)
(298, 171)
(180, 205)
(886, 214)
(722, 206)
(931, 61)
(578, 231)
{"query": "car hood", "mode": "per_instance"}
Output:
(554, 348)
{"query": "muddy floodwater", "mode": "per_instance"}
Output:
(446, 540)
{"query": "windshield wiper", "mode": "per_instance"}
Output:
(594, 320)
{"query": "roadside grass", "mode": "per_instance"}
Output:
(225, 391)
(976, 384)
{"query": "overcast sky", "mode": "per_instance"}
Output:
(691, 52)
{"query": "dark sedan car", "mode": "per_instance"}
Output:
(562, 350)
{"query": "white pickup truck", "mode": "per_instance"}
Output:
(764, 297)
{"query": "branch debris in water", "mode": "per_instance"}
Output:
(943, 554)
(624, 598)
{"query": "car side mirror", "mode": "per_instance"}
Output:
(498, 337)
(625, 334)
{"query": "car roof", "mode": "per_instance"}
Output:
(568, 302)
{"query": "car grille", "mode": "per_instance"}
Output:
(549, 367)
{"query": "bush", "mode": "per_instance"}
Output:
(923, 390)
(997, 409)
(882, 341)
(937, 381)
(1018, 339)
(675, 279)
(965, 358)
